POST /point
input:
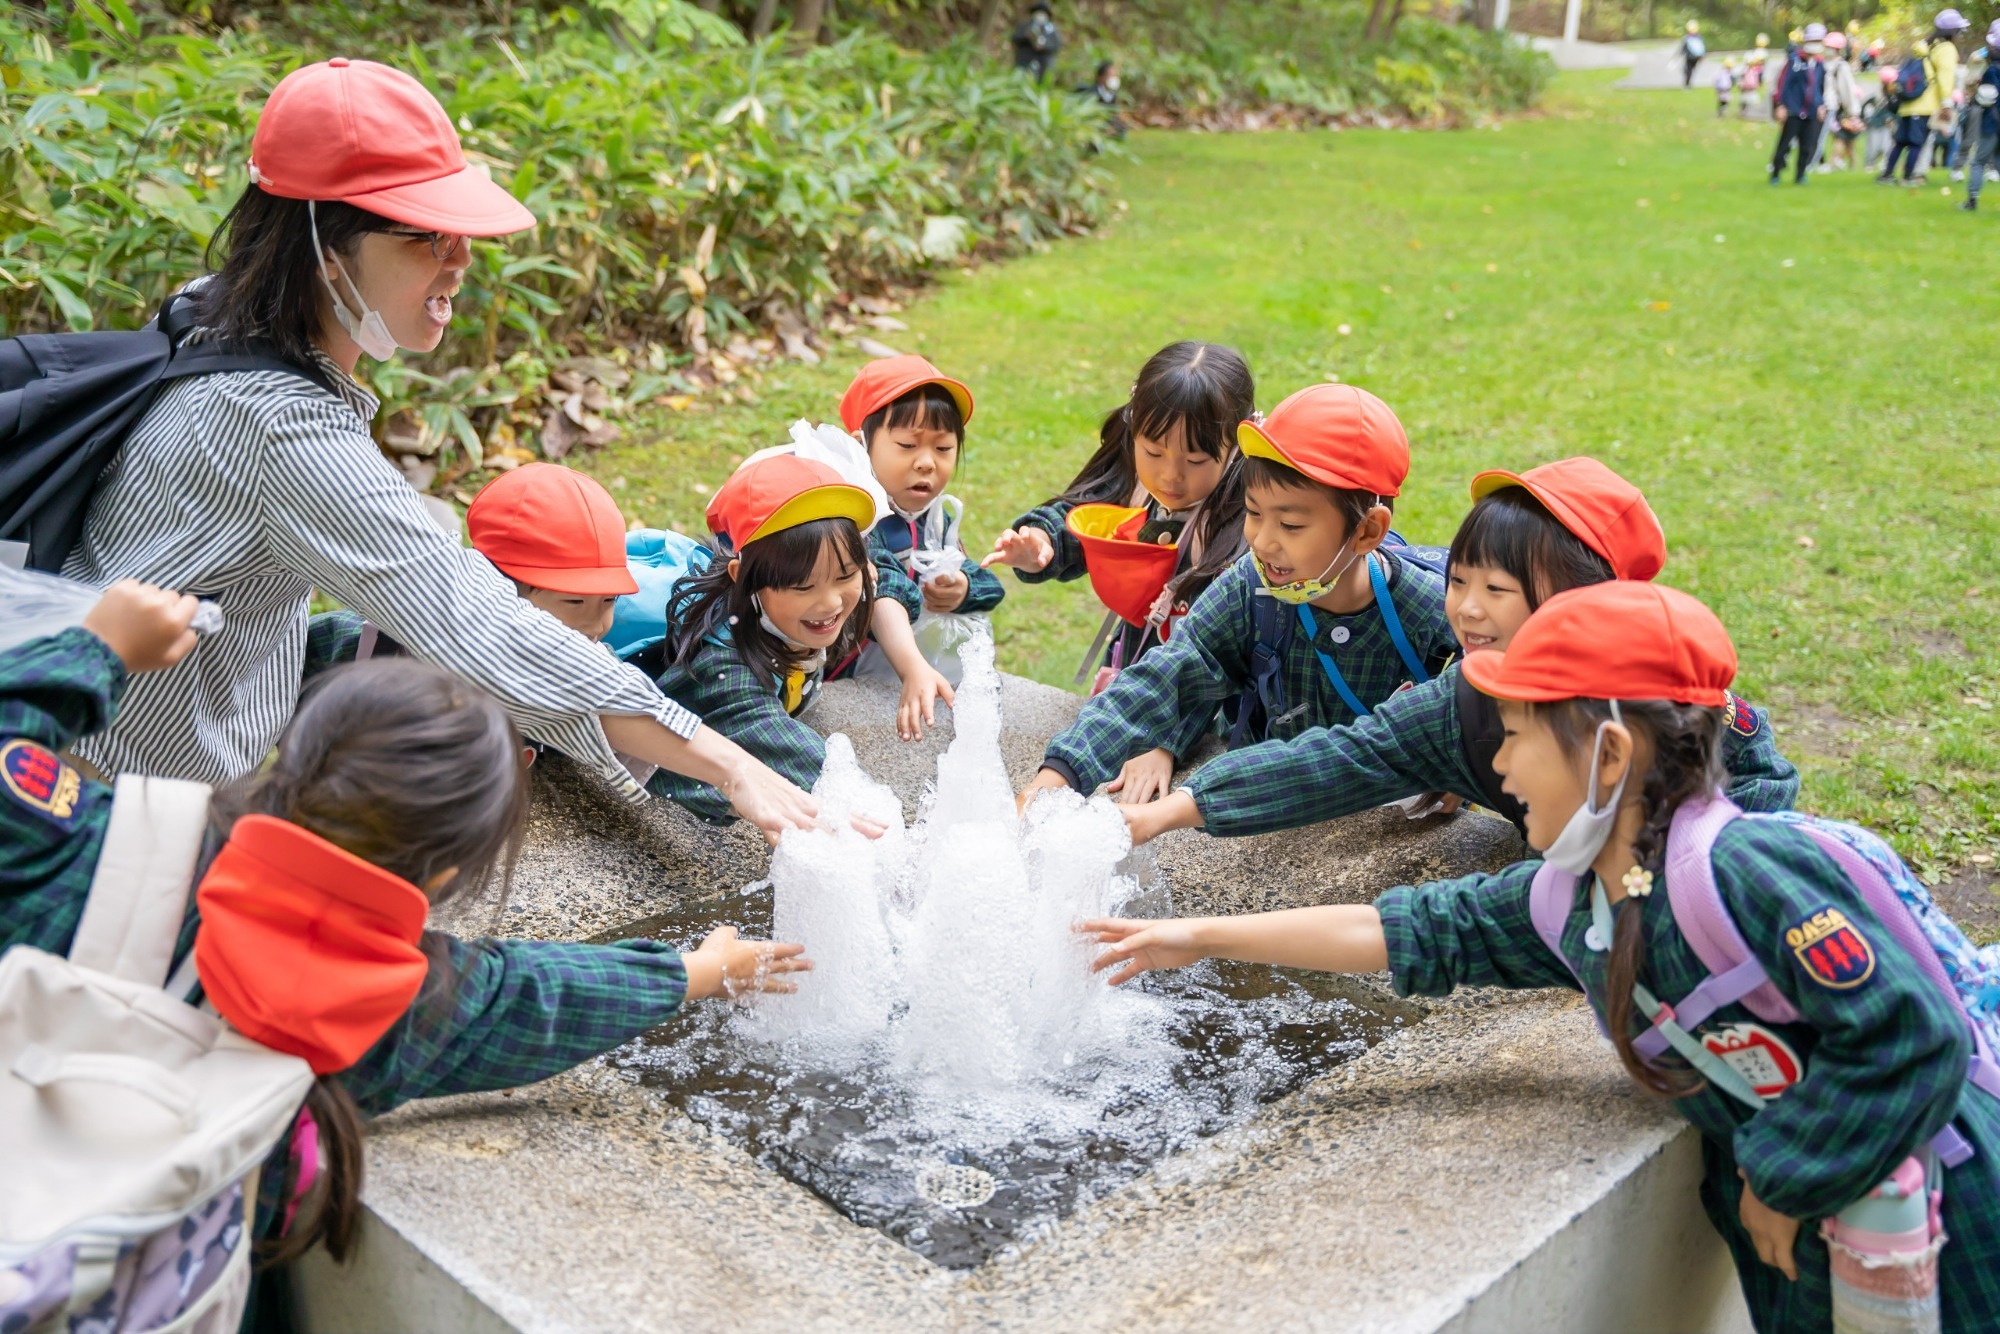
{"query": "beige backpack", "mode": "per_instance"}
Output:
(130, 1121)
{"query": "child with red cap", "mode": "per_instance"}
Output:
(790, 593)
(1156, 514)
(554, 531)
(395, 787)
(1319, 623)
(1529, 536)
(1793, 990)
(911, 419)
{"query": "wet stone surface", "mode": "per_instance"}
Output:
(1247, 1036)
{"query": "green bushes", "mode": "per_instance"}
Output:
(692, 189)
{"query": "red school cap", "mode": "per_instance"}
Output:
(1606, 513)
(778, 491)
(882, 382)
(373, 137)
(1335, 434)
(1619, 640)
(552, 527)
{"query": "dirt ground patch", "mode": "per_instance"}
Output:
(1818, 730)
(1972, 897)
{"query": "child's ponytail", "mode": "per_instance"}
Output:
(1686, 766)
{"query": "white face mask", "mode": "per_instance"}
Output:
(1588, 830)
(367, 330)
(1111, 84)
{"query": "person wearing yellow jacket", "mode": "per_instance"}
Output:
(1938, 59)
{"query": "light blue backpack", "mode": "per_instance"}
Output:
(659, 559)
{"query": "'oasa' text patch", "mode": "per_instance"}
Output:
(31, 774)
(1831, 951)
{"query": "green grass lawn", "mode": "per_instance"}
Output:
(1801, 380)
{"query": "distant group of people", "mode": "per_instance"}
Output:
(1037, 41)
(1928, 109)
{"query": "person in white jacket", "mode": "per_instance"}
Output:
(1842, 99)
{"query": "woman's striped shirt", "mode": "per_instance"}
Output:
(253, 488)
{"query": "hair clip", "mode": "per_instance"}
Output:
(1638, 883)
(256, 176)
(1256, 417)
(732, 620)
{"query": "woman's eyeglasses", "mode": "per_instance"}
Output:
(442, 244)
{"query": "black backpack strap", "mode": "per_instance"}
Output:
(178, 318)
(1480, 735)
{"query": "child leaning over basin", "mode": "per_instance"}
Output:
(555, 532)
(911, 419)
(1156, 515)
(1528, 537)
(1827, 1082)
(395, 787)
(1317, 624)
(751, 637)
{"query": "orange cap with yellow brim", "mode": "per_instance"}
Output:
(778, 491)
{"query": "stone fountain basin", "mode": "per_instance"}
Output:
(1487, 1169)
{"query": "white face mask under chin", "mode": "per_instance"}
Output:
(1588, 830)
(367, 330)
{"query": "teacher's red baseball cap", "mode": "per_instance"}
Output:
(552, 527)
(1607, 513)
(1335, 434)
(1619, 640)
(371, 136)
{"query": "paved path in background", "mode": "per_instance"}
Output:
(1659, 66)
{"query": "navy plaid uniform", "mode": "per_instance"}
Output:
(1884, 1061)
(735, 703)
(1170, 696)
(1410, 745)
(332, 638)
(500, 1014)
(1053, 519)
(890, 542)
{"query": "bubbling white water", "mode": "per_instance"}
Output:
(944, 954)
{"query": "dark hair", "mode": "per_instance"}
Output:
(417, 771)
(1353, 505)
(704, 602)
(1103, 67)
(1512, 531)
(1206, 389)
(267, 286)
(1686, 741)
(928, 407)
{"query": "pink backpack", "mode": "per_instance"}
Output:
(1968, 975)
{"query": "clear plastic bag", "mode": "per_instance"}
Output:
(33, 604)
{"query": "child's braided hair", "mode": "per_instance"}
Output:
(1685, 741)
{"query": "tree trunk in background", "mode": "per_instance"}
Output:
(712, 6)
(807, 15)
(767, 15)
(1395, 17)
(1375, 14)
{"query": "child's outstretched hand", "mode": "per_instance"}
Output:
(146, 627)
(725, 965)
(1144, 778)
(923, 687)
(1023, 548)
(946, 592)
(1141, 947)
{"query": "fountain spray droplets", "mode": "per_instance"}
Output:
(950, 945)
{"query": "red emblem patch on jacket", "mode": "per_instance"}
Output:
(1830, 951)
(1765, 1060)
(34, 777)
(1743, 719)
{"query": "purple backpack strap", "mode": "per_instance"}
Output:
(1734, 974)
(1550, 899)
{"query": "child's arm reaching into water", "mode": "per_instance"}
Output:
(1337, 938)
(923, 684)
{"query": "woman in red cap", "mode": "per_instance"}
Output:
(1529, 536)
(395, 787)
(750, 638)
(1785, 990)
(256, 488)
